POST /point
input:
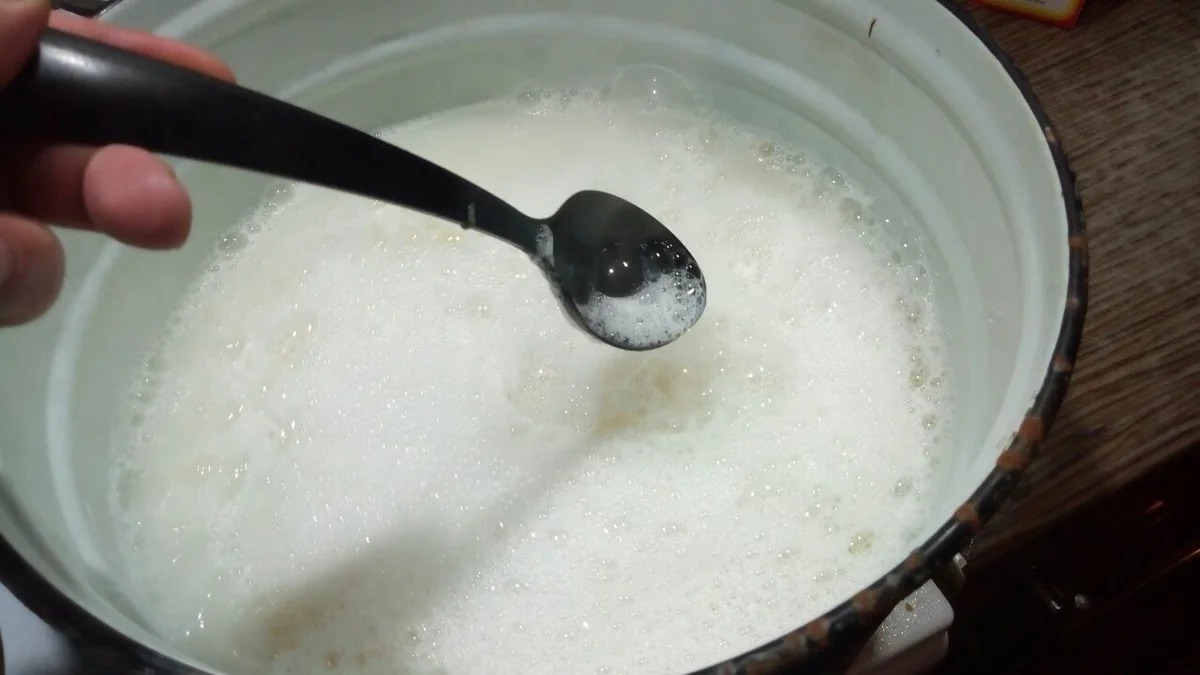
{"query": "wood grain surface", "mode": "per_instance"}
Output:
(1123, 90)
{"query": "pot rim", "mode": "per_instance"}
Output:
(826, 644)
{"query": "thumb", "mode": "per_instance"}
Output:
(21, 24)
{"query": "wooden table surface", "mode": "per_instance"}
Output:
(1123, 90)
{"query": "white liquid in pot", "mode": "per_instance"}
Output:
(371, 443)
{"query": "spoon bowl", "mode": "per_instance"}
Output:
(621, 274)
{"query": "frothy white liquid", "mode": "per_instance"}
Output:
(660, 312)
(371, 442)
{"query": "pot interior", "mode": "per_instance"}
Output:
(907, 101)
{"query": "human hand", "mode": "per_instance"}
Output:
(123, 192)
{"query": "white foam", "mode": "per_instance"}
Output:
(658, 314)
(371, 443)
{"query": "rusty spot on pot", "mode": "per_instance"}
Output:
(1014, 459)
(914, 561)
(1032, 430)
(1062, 364)
(967, 515)
(1051, 137)
(761, 666)
(1078, 244)
(866, 602)
(796, 641)
(1073, 303)
(817, 632)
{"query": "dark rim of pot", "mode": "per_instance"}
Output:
(825, 645)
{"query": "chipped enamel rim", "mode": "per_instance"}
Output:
(824, 645)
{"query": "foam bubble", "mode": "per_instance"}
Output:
(660, 312)
(355, 451)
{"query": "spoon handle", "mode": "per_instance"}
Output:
(77, 90)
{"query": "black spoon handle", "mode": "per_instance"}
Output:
(78, 90)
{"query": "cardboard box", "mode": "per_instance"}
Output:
(1061, 13)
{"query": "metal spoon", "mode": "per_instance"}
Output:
(620, 274)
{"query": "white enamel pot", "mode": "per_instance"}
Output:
(909, 97)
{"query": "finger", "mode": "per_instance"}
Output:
(31, 269)
(21, 24)
(123, 192)
(45, 182)
(144, 43)
(133, 196)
